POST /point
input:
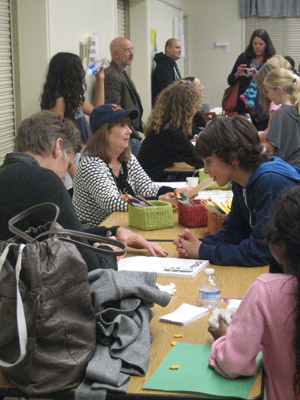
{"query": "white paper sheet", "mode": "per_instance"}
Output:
(185, 314)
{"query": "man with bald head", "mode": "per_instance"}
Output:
(120, 89)
(166, 70)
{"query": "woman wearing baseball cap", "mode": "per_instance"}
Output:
(107, 168)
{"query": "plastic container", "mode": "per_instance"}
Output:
(94, 68)
(209, 289)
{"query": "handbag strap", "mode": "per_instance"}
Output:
(61, 232)
(26, 213)
(21, 321)
(88, 236)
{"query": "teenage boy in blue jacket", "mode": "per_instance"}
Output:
(231, 151)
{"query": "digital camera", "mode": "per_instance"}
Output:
(249, 71)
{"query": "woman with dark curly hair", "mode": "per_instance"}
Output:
(167, 130)
(231, 151)
(63, 94)
(64, 91)
(268, 318)
(258, 51)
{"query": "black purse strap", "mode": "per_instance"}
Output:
(61, 232)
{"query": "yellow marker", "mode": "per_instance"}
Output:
(173, 343)
(178, 335)
(174, 367)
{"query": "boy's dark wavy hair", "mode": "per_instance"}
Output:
(284, 228)
(65, 78)
(232, 139)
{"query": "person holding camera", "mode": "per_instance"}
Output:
(258, 51)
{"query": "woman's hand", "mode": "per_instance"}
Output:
(168, 198)
(241, 71)
(138, 242)
(218, 332)
(187, 245)
(100, 74)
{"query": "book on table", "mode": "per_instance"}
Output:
(163, 266)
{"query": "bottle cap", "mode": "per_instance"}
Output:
(209, 271)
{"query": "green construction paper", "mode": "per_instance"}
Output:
(195, 375)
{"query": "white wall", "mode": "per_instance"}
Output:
(140, 38)
(48, 26)
(74, 21)
(209, 22)
(33, 53)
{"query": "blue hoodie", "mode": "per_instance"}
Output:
(240, 241)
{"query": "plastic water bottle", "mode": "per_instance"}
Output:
(248, 116)
(92, 69)
(209, 289)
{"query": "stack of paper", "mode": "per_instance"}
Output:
(185, 314)
(163, 266)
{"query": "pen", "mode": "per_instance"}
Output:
(138, 196)
(160, 240)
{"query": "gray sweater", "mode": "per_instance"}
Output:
(284, 134)
(122, 301)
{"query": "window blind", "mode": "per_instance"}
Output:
(7, 123)
(284, 33)
(121, 18)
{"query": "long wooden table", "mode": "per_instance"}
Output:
(235, 282)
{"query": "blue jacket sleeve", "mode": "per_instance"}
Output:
(241, 242)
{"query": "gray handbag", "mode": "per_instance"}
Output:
(47, 333)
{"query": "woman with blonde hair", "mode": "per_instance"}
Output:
(283, 138)
(167, 130)
(274, 62)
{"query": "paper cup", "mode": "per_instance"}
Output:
(192, 181)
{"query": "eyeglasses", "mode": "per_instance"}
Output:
(127, 51)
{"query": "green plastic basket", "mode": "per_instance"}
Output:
(214, 185)
(147, 218)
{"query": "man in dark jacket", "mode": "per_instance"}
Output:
(166, 70)
(34, 173)
(120, 89)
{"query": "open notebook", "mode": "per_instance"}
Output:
(163, 266)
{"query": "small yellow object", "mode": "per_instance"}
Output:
(178, 335)
(173, 343)
(174, 367)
